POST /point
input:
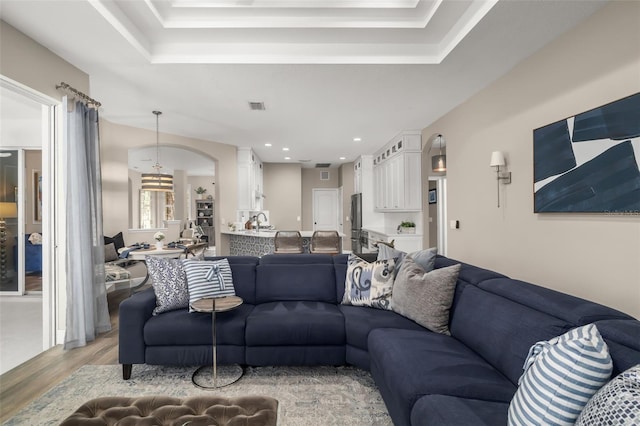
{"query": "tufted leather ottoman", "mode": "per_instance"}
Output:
(165, 410)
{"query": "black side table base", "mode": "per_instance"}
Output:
(225, 376)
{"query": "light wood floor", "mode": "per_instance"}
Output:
(25, 383)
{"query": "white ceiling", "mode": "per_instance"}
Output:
(327, 71)
(171, 159)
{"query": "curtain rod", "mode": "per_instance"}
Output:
(78, 93)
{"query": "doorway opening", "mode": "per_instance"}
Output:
(27, 326)
(437, 214)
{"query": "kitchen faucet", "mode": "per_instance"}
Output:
(258, 219)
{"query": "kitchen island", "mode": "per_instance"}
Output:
(258, 243)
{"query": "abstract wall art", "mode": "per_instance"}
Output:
(590, 162)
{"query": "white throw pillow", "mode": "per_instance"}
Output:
(560, 376)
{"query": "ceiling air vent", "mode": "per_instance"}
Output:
(324, 175)
(256, 106)
(323, 165)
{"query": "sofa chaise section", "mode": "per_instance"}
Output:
(494, 321)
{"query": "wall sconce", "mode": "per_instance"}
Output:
(497, 161)
(439, 162)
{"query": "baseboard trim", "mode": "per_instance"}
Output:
(60, 337)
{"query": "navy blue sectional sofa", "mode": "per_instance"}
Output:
(292, 316)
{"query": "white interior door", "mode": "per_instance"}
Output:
(325, 209)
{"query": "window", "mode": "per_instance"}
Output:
(155, 208)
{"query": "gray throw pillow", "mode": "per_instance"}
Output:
(110, 253)
(425, 258)
(169, 283)
(425, 297)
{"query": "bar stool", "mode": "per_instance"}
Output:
(325, 242)
(288, 242)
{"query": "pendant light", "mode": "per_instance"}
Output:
(439, 162)
(157, 181)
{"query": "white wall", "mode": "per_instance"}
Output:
(31, 64)
(117, 139)
(311, 180)
(595, 256)
(283, 195)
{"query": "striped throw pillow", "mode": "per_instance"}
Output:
(208, 278)
(559, 378)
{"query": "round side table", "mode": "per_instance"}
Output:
(222, 375)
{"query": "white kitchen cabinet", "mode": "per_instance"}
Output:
(250, 176)
(357, 176)
(397, 174)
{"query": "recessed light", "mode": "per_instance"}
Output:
(343, 158)
(357, 139)
(287, 158)
(267, 144)
(285, 149)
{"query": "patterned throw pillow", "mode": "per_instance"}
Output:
(169, 283)
(559, 378)
(425, 297)
(617, 403)
(208, 278)
(369, 284)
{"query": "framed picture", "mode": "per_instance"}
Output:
(433, 196)
(37, 196)
(588, 162)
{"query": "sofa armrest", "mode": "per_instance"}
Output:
(134, 313)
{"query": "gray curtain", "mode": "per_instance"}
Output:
(87, 309)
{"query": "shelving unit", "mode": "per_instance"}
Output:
(204, 218)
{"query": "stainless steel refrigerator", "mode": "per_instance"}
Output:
(356, 223)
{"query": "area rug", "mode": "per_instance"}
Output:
(307, 395)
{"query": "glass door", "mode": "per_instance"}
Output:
(9, 229)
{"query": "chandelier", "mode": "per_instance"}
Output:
(157, 181)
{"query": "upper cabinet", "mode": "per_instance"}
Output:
(397, 174)
(357, 176)
(250, 186)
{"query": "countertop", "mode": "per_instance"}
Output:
(390, 232)
(264, 233)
